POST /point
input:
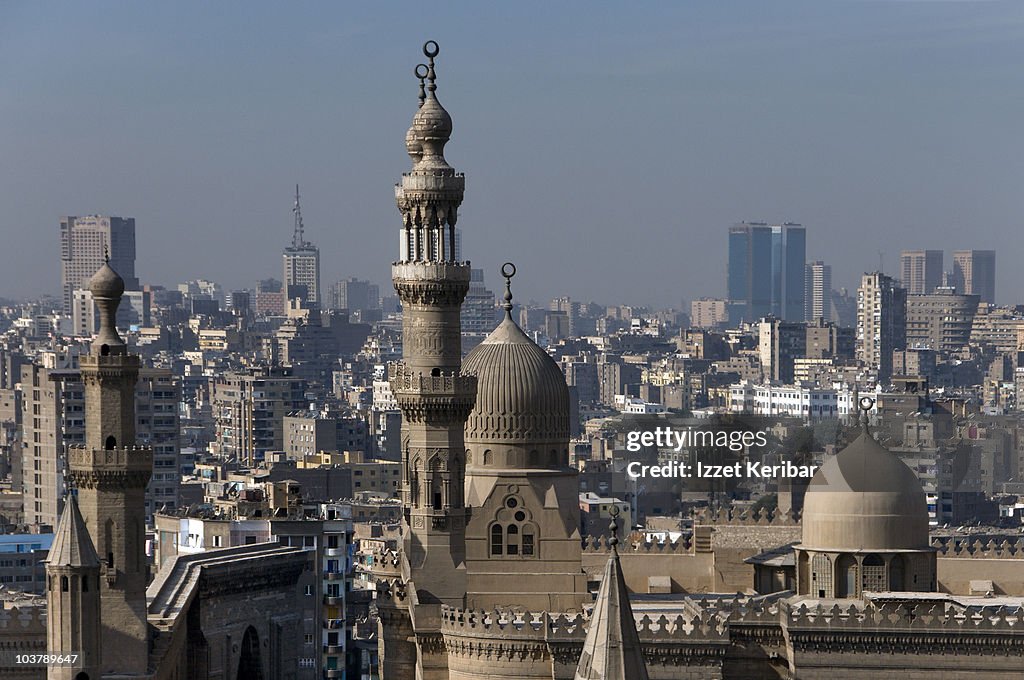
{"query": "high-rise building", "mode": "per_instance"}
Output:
(881, 322)
(921, 271)
(766, 271)
(779, 344)
(301, 263)
(749, 271)
(249, 410)
(708, 313)
(941, 321)
(477, 309)
(85, 242)
(789, 256)
(974, 273)
(270, 300)
(817, 291)
(353, 294)
(53, 419)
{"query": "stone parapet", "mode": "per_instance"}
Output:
(733, 518)
(888, 617)
(599, 545)
(512, 625)
(979, 549)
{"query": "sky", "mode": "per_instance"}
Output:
(607, 148)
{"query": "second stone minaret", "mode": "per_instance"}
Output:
(111, 474)
(434, 396)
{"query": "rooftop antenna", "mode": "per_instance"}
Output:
(298, 240)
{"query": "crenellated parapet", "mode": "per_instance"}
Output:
(599, 545)
(504, 624)
(393, 592)
(735, 518)
(979, 549)
(936, 617)
(562, 627)
(23, 624)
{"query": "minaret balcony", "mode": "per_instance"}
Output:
(443, 179)
(409, 384)
(456, 273)
(121, 459)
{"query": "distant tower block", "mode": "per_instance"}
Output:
(111, 474)
(301, 263)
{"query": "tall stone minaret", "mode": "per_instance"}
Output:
(73, 597)
(434, 397)
(111, 473)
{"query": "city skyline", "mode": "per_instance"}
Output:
(316, 481)
(756, 115)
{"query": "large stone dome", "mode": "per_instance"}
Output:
(865, 499)
(522, 400)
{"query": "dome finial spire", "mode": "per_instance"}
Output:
(865, 404)
(421, 71)
(430, 50)
(508, 270)
(613, 529)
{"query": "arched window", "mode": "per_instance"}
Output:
(64, 585)
(435, 483)
(533, 459)
(873, 574)
(110, 444)
(821, 576)
(512, 545)
(846, 576)
(497, 540)
(488, 457)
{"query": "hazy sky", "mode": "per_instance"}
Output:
(606, 150)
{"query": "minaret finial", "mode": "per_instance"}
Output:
(613, 529)
(421, 71)
(298, 239)
(106, 253)
(865, 404)
(508, 270)
(431, 50)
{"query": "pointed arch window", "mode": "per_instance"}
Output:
(512, 544)
(497, 540)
